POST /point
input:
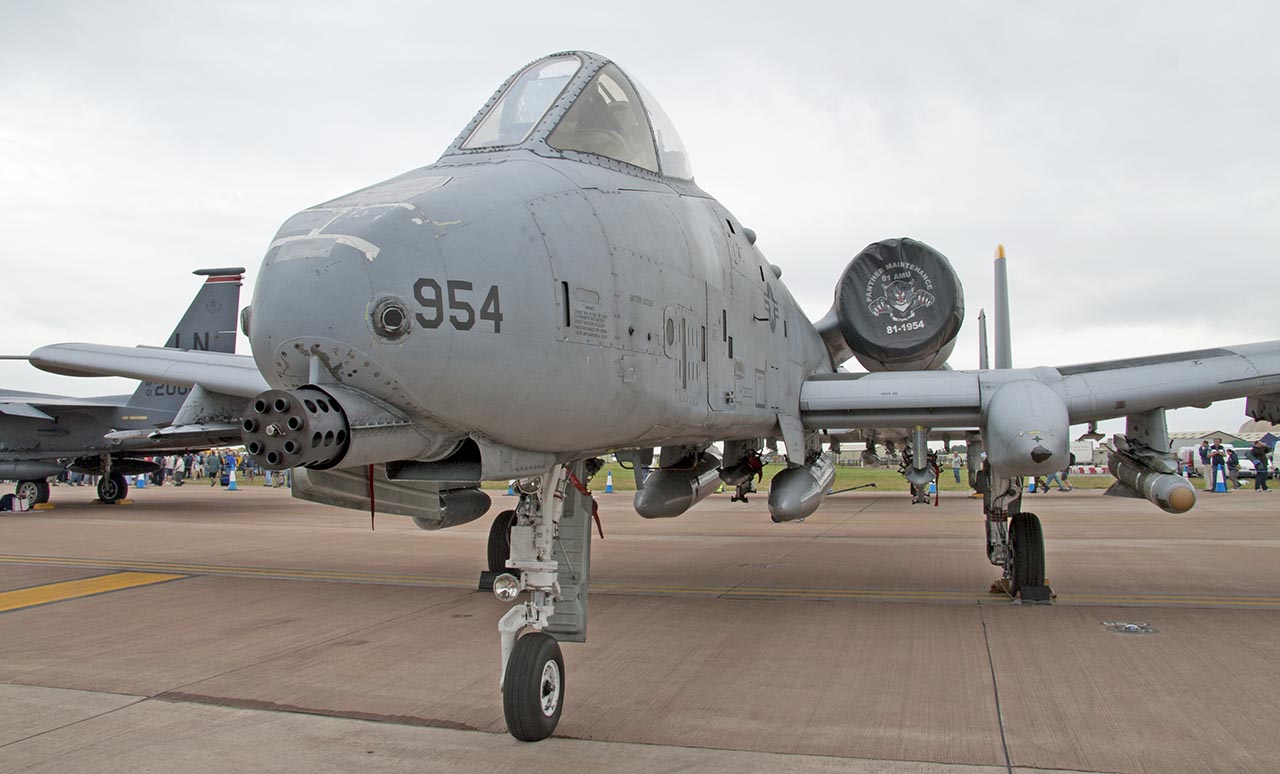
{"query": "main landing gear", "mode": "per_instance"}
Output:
(543, 548)
(112, 488)
(1015, 540)
(33, 491)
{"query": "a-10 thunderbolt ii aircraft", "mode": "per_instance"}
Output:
(556, 287)
(109, 436)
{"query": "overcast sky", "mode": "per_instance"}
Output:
(1128, 154)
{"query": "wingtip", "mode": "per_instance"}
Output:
(999, 252)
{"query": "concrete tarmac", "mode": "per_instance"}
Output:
(204, 630)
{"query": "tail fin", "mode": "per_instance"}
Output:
(209, 324)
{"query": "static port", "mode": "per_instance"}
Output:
(250, 425)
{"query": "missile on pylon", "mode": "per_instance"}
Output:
(1171, 493)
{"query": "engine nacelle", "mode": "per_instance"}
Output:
(669, 492)
(795, 493)
(1026, 429)
(898, 307)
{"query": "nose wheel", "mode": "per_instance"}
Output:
(533, 687)
(1026, 548)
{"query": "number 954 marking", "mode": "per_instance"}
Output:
(455, 296)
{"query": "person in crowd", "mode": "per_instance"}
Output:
(1233, 468)
(179, 469)
(1258, 453)
(1217, 463)
(1204, 466)
(213, 467)
(956, 465)
(1066, 472)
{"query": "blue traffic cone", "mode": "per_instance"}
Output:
(1219, 480)
(933, 487)
(511, 489)
(141, 481)
(231, 480)
(608, 483)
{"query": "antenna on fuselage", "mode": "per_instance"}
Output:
(1003, 344)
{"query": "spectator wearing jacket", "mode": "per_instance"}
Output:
(1204, 466)
(1258, 454)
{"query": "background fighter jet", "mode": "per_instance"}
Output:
(108, 436)
(556, 287)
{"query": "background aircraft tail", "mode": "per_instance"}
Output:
(209, 324)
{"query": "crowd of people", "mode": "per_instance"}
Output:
(1220, 463)
(213, 466)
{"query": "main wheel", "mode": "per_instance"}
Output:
(500, 540)
(112, 488)
(33, 491)
(533, 687)
(1026, 543)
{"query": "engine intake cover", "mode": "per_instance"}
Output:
(899, 305)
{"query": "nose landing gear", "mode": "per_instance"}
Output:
(1015, 540)
(545, 546)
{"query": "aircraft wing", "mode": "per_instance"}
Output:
(14, 408)
(1088, 392)
(222, 373)
(1025, 413)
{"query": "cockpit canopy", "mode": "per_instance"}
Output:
(581, 103)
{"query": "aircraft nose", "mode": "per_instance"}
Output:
(336, 286)
(1040, 454)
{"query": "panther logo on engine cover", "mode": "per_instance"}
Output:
(900, 289)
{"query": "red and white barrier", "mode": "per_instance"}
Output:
(1089, 470)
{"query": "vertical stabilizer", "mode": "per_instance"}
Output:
(984, 362)
(209, 324)
(1003, 342)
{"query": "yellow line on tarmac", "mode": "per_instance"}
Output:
(85, 587)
